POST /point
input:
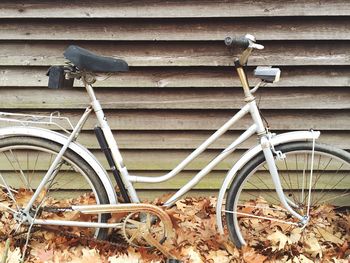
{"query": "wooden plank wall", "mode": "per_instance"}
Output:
(181, 85)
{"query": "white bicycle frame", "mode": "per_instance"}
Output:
(267, 142)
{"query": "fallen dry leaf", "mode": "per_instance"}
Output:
(328, 236)
(192, 255)
(197, 238)
(43, 255)
(302, 259)
(278, 238)
(14, 256)
(251, 256)
(312, 247)
(218, 256)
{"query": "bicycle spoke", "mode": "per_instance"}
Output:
(336, 197)
(328, 190)
(290, 181)
(7, 208)
(302, 200)
(321, 172)
(9, 193)
(270, 195)
(35, 163)
(10, 189)
(19, 174)
(21, 171)
(264, 207)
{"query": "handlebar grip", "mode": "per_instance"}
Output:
(241, 42)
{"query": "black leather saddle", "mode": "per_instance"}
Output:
(88, 61)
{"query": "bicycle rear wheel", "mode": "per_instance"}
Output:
(253, 209)
(23, 163)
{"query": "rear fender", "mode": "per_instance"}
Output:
(56, 137)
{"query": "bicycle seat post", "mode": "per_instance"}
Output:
(243, 78)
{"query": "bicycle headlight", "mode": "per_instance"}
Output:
(268, 74)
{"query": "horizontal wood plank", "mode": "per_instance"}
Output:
(73, 181)
(149, 161)
(173, 9)
(164, 77)
(177, 30)
(215, 179)
(147, 54)
(335, 120)
(195, 98)
(192, 139)
(143, 160)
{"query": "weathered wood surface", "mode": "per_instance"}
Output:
(149, 160)
(192, 139)
(150, 120)
(170, 77)
(181, 87)
(150, 54)
(73, 181)
(177, 30)
(173, 9)
(195, 98)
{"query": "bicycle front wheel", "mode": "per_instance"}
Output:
(254, 211)
(23, 163)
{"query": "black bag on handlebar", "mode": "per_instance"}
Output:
(57, 78)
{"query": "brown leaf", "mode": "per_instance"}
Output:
(251, 256)
(192, 254)
(278, 238)
(43, 255)
(328, 236)
(218, 256)
(312, 247)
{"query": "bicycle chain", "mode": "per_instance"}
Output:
(87, 241)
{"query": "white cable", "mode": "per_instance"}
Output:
(311, 174)
(262, 217)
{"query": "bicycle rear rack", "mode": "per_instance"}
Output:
(54, 119)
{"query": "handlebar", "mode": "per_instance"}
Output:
(247, 42)
(242, 42)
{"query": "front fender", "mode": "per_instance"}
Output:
(56, 137)
(251, 153)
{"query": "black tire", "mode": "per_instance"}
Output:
(245, 180)
(16, 151)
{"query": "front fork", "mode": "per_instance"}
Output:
(287, 203)
(265, 143)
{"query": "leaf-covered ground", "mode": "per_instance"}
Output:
(197, 241)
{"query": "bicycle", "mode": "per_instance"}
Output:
(290, 174)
